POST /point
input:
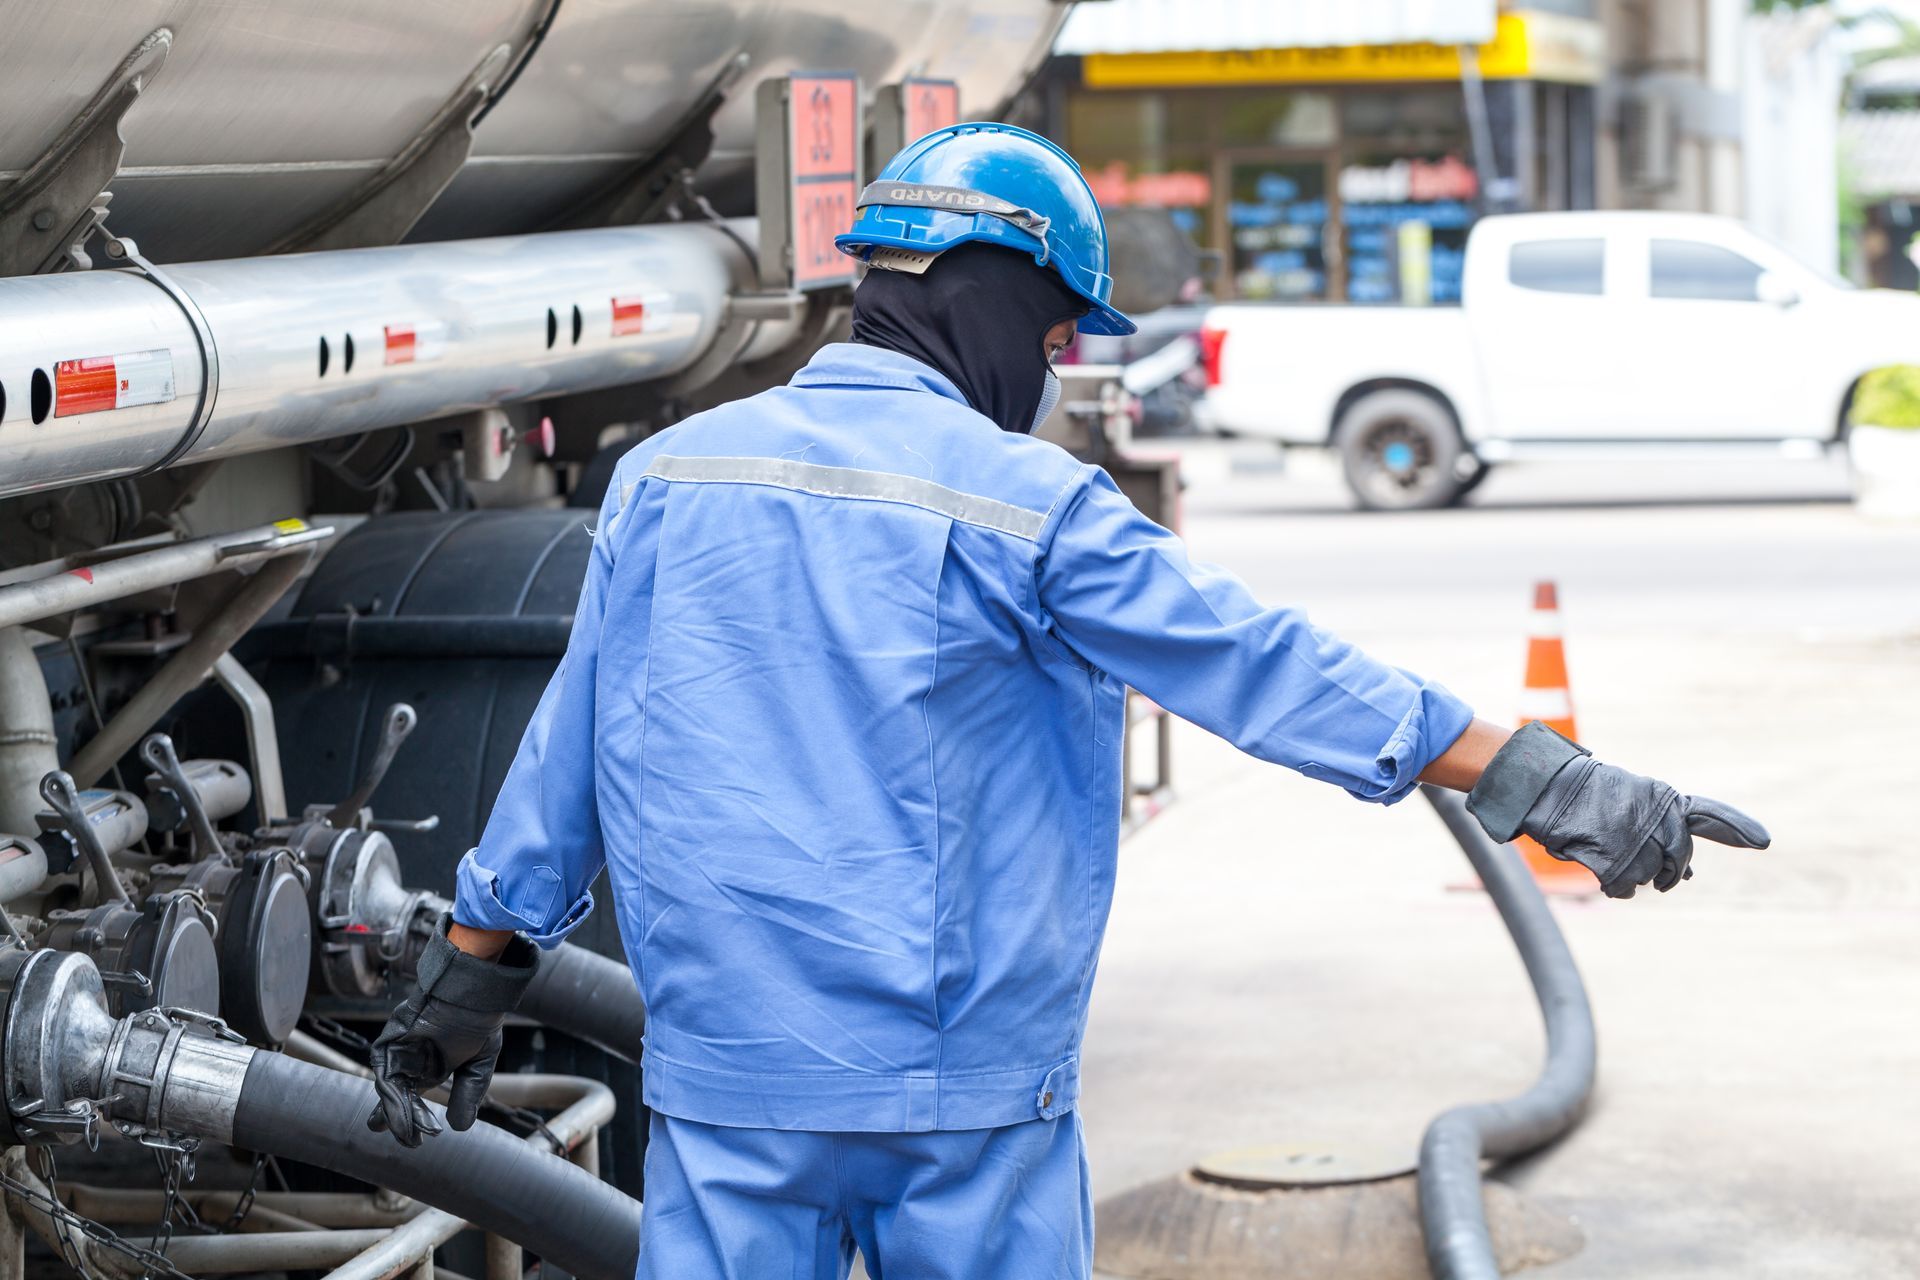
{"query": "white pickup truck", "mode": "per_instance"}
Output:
(1577, 333)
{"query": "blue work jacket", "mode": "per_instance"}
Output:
(841, 717)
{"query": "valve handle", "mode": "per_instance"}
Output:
(159, 754)
(58, 790)
(394, 729)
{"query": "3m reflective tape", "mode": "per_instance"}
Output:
(850, 482)
(98, 383)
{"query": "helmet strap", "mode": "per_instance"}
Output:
(922, 195)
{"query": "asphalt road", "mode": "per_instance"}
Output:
(1285, 964)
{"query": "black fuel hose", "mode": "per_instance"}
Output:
(1452, 1215)
(552, 1208)
(588, 995)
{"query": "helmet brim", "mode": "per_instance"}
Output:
(1104, 319)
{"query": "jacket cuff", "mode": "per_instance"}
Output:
(482, 900)
(1434, 722)
(1517, 775)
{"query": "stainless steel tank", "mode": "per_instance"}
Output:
(266, 114)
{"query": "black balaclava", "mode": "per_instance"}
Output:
(979, 314)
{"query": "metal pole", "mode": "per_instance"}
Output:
(188, 666)
(68, 585)
(504, 1260)
(1452, 1216)
(263, 742)
(119, 1204)
(1493, 188)
(267, 1250)
(13, 1245)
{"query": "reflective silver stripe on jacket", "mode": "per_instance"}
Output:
(849, 482)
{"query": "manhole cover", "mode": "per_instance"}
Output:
(1306, 1164)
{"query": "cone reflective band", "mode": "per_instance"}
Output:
(1546, 697)
(95, 384)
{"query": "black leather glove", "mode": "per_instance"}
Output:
(1626, 829)
(448, 1025)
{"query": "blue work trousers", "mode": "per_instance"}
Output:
(724, 1203)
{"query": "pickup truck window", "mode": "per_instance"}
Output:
(1691, 269)
(1558, 266)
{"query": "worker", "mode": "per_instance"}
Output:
(840, 717)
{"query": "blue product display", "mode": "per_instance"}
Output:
(1276, 261)
(1245, 214)
(1276, 188)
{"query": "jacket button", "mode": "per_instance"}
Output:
(1046, 1099)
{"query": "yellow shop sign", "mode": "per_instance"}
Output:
(1525, 46)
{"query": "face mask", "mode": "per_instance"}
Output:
(1049, 397)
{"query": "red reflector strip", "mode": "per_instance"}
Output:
(1212, 344)
(97, 383)
(629, 315)
(400, 344)
(83, 386)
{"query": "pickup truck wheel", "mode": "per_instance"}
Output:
(1400, 451)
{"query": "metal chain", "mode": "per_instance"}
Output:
(328, 1029)
(244, 1205)
(152, 1263)
(176, 1166)
(531, 1119)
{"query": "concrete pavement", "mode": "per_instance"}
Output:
(1286, 964)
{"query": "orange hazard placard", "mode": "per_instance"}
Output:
(823, 124)
(930, 105)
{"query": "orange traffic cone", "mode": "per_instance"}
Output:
(1547, 698)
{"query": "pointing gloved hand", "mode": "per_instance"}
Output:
(1626, 829)
(448, 1025)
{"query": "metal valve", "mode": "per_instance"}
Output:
(93, 824)
(195, 792)
(399, 722)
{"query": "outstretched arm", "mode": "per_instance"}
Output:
(1459, 767)
(1121, 591)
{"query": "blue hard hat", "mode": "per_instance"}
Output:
(997, 184)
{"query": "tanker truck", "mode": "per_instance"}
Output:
(320, 329)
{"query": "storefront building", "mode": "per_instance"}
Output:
(1347, 171)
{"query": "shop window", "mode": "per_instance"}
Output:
(1558, 266)
(1405, 119)
(1690, 269)
(1277, 217)
(1135, 127)
(1181, 182)
(1272, 119)
(1406, 220)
